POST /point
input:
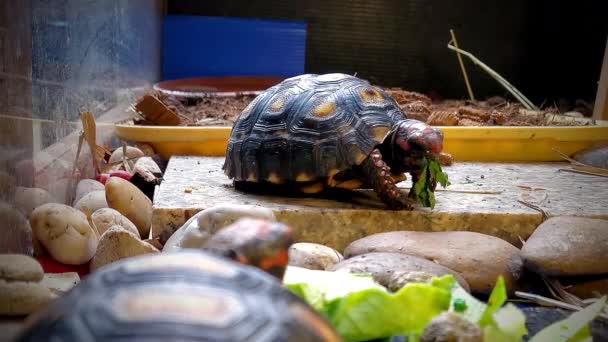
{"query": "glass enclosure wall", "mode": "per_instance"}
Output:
(61, 57)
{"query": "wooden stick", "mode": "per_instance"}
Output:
(516, 93)
(464, 71)
(535, 207)
(69, 191)
(584, 172)
(89, 128)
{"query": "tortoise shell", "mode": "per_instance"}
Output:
(185, 296)
(309, 127)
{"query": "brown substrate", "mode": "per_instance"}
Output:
(495, 111)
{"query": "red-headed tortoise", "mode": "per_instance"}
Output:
(314, 132)
(189, 296)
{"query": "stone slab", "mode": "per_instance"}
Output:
(192, 184)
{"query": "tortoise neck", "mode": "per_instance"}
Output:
(391, 153)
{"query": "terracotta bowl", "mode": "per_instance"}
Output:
(217, 86)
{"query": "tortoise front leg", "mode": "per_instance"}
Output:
(378, 175)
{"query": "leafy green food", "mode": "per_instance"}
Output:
(502, 324)
(424, 187)
(575, 328)
(497, 299)
(508, 324)
(361, 310)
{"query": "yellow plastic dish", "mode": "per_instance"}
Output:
(504, 144)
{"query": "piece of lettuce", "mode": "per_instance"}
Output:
(362, 310)
(575, 328)
(499, 323)
(430, 174)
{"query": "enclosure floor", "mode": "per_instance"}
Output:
(488, 202)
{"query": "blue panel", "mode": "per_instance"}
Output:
(215, 46)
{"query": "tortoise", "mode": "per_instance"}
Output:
(316, 132)
(188, 295)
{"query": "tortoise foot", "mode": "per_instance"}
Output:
(378, 174)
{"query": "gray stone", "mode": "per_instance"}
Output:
(394, 270)
(198, 229)
(313, 256)
(563, 246)
(479, 258)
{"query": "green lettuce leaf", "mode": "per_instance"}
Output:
(509, 325)
(575, 328)
(362, 310)
(496, 300)
(502, 324)
(430, 173)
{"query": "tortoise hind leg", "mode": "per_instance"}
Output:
(377, 173)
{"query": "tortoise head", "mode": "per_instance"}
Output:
(417, 137)
(256, 242)
(410, 141)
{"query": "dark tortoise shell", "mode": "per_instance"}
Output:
(317, 131)
(181, 296)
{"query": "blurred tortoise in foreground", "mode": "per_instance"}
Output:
(188, 296)
(313, 132)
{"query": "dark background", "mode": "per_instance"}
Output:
(547, 49)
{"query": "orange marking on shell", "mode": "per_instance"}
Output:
(274, 178)
(303, 177)
(324, 109)
(350, 184)
(379, 133)
(371, 95)
(277, 104)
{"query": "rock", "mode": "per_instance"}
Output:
(313, 256)
(197, 230)
(450, 326)
(17, 267)
(93, 201)
(563, 246)
(399, 279)
(538, 318)
(85, 186)
(128, 200)
(587, 287)
(146, 176)
(60, 283)
(118, 243)
(147, 149)
(65, 233)
(23, 298)
(394, 270)
(595, 156)
(105, 218)
(16, 235)
(20, 290)
(28, 199)
(132, 152)
(479, 258)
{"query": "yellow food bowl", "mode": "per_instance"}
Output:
(504, 144)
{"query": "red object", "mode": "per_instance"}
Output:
(49, 265)
(103, 177)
